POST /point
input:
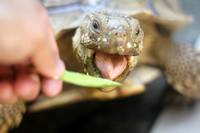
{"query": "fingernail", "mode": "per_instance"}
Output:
(60, 68)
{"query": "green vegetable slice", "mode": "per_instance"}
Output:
(86, 80)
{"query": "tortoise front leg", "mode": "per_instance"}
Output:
(11, 115)
(182, 69)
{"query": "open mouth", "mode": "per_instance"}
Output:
(110, 65)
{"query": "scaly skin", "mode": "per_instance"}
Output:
(10, 115)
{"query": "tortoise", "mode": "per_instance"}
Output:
(106, 39)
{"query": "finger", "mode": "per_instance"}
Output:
(51, 87)
(46, 58)
(5, 72)
(27, 85)
(6, 92)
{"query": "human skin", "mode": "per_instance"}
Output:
(29, 58)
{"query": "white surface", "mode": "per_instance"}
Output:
(197, 44)
(178, 121)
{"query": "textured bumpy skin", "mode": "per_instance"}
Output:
(10, 115)
(182, 68)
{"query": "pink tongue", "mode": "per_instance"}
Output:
(110, 65)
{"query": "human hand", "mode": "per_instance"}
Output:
(26, 39)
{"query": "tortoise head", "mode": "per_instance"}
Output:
(111, 41)
(112, 33)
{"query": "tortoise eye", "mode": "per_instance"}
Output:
(95, 26)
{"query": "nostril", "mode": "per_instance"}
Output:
(120, 34)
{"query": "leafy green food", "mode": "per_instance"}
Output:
(86, 80)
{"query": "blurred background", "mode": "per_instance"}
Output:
(155, 111)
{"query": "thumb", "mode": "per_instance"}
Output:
(46, 58)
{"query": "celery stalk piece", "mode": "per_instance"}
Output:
(86, 80)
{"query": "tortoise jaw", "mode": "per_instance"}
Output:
(110, 66)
